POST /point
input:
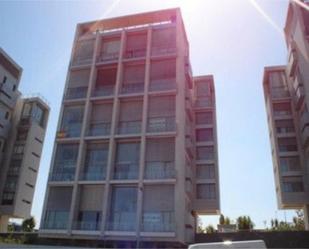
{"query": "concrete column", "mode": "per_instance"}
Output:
(306, 217)
(4, 220)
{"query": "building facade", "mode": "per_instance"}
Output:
(286, 90)
(135, 155)
(22, 130)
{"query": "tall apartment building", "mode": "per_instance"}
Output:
(286, 91)
(22, 129)
(135, 156)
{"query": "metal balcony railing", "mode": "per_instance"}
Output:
(160, 170)
(132, 88)
(108, 57)
(129, 127)
(135, 53)
(63, 173)
(76, 93)
(104, 90)
(78, 61)
(161, 124)
(94, 173)
(164, 49)
(99, 129)
(204, 102)
(162, 84)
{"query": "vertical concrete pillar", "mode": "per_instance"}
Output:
(4, 220)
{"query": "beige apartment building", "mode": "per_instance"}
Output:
(135, 156)
(286, 90)
(22, 130)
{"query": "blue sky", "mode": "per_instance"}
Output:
(233, 40)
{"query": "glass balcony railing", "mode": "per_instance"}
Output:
(204, 102)
(164, 221)
(162, 85)
(129, 127)
(76, 93)
(132, 88)
(135, 53)
(87, 225)
(99, 129)
(94, 173)
(63, 174)
(104, 57)
(162, 50)
(56, 220)
(122, 221)
(126, 171)
(160, 170)
(72, 130)
(161, 124)
(105, 90)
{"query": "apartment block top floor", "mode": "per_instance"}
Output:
(10, 66)
(129, 22)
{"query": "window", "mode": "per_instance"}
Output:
(65, 162)
(127, 160)
(72, 120)
(204, 118)
(78, 84)
(203, 89)
(27, 110)
(100, 120)
(292, 184)
(291, 163)
(22, 135)
(38, 114)
(133, 78)
(14, 88)
(282, 109)
(109, 49)
(163, 75)
(105, 81)
(95, 161)
(287, 144)
(284, 126)
(83, 52)
(123, 209)
(18, 149)
(204, 135)
(205, 171)
(205, 153)
(7, 115)
(206, 191)
(163, 41)
(130, 117)
(4, 79)
(136, 45)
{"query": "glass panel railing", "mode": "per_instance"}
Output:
(99, 129)
(162, 50)
(87, 225)
(76, 93)
(106, 90)
(160, 170)
(129, 127)
(94, 173)
(122, 221)
(60, 173)
(111, 56)
(132, 88)
(162, 84)
(126, 171)
(163, 221)
(161, 124)
(135, 53)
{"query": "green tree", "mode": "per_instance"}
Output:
(28, 225)
(227, 221)
(210, 229)
(221, 219)
(244, 223)
(200, 228)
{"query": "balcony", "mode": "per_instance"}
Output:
(162, 84)
(292, 62)
(132, 88)
(76, 93)
(107, 57)
(7, 95)
(56, 220)
(279, 93)
(135, 53)
(129, 127)
(81, 61)
(160, 170)
(122, 223)
(102, 91)
(126, 171)
(205, 102)
(163, 221)
(99, 129)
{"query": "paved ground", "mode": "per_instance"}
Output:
(10, 246)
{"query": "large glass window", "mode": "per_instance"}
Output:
(158, 213)
(83, 52)
(133, 78)
(284, 126)
(282, 109)
(130, 117)
(287, 144)
(109, 50)
(205, 153)
(127, 160)
(78, 84)
(293, 184)
(163, 75)
(105, 81)
(123, 207)
(205, 171)
(163, 41)
(161, 114)
(204, 135)
(160, 158)
(291, 163)
(65, 162)
(136, 45)
(204, 118)
(72, 121)
(95, 162)
(100, 120)
(206, 191)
